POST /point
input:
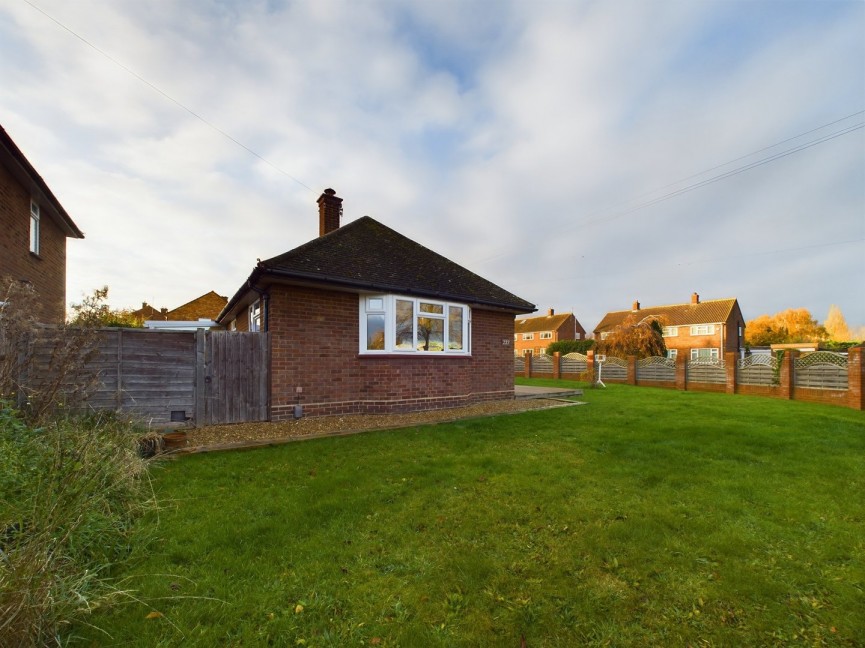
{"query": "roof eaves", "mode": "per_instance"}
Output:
(27, 170)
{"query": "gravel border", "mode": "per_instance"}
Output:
(255, 435)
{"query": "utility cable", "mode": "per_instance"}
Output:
(176, 102)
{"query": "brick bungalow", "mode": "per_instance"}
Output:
(535, 334)
(34, 227)
(365, 320)
(704, 330)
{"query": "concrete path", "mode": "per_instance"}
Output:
(525, 391)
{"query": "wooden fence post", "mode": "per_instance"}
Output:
(527, 364)
(118, 395)
(557, 365)
(200, 378)
(632, 370)
(590, 365)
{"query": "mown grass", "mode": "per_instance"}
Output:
(645, 517)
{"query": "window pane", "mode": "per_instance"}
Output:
(375, 332)
(430, 334)
(455, 328)
(432, 308)
(404, 328)
(375, 304)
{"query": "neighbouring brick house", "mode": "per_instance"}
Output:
(34, 227)
(363, 319)
(535, 334)
(208, 306)
(704, 330)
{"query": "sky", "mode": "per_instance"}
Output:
(582, 155)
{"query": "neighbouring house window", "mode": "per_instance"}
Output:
(255, 316)
(396, 324)
(740, 331)
(703, 329)
(704, 354)
(672, 353)
(604, 335)
(528, 336)
(515, 337)
(546, 335)
(232, 325)
(671, 331)
(34, 227)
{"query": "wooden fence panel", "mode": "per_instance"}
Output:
(235, 378)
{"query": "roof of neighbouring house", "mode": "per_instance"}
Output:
(368, 256)
(208, 306)
(20, 167)
(712, 311)
(148, 312)
(543, 323)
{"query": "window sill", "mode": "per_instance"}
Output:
(391, 355)
(35, 255)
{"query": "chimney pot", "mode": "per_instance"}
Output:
(329, 212)
(551, 312)
(695, 298)
(636, 306)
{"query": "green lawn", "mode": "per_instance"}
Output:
(645, 517)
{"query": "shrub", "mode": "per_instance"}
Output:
(42, 368)
(570, 346)
(69, 494)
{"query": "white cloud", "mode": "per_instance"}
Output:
(512, 141)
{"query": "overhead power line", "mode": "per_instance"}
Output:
(624, 211)
(176, 102)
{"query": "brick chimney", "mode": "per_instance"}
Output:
(329, 212)
(695, 298)
(636, 306)
(551, 312)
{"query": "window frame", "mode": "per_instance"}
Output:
(672, 353)
(702, 329)
(545, 335)
(714, 354)
(35, 227)
(255, 316)
(528, 336)
(386, 307)
(671, 331)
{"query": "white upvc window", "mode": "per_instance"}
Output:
(546, 335)
(672, 353)
(255, 316)
(703, 329)
(671, 331)
(528, 336)
(605, 335)
(397, 324)
(34, 227)
(704, 354)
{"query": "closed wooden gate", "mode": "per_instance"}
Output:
(231, 379)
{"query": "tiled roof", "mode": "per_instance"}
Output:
(23, 171)
(366, 255)
(208, 306)
(713, 311)
(542, 323)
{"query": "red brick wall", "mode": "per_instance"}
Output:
(47, 271)
(314, 345)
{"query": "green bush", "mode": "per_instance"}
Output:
(69, 494)
(570, 346)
